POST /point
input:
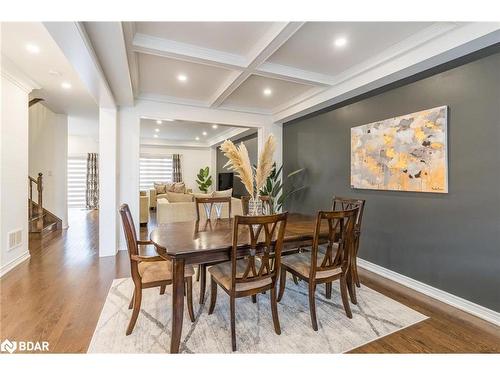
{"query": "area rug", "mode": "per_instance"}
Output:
(374, 316)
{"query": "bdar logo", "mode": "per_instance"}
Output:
(8, 346)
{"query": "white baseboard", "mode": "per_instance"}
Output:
(14, 263)
(448, 298)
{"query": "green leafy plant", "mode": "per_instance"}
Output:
(204, 180)
(274, 187)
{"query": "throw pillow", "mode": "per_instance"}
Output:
(160, 187)
(179, 187)
(178, 197)
(223, 193)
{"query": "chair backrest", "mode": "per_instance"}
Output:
(209, 204)
(341, 204)
(131, 237)
(340, 240)
(266, 203)
(265, 235)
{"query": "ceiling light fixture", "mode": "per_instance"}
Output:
(157, 130)
(182, 77)
(197, 138)
(204, 133)
(215, 126)
(66, 85)
(32, 48)
(267, 91)
(158, 122)
(340, 42)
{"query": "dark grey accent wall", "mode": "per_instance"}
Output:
(251, 145)
(450, 241)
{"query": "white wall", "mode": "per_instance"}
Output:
(13, 170)
(192, 159)
(48, 154)
(108, 186)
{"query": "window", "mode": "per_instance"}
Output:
(77, 181)
(154, 168)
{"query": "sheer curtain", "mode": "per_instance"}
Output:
(176, 168)
(92, 199)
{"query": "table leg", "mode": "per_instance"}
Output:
(177, 304)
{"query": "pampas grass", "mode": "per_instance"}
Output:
(265, 165)
(239, 162)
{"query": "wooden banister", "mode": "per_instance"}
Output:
(39, 187)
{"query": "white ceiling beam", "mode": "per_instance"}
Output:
(151, 45)
(288, 73)
(133, 61)
(267, 45)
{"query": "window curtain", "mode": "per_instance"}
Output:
(92, 198)
(176, 168)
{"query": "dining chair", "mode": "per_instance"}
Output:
(149, 271)
(323, 267)
(209, 204)
(341, 204)
(257, 271)
(266, 203)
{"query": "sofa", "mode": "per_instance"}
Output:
(143, 208)
(171, 212)
(162, 190)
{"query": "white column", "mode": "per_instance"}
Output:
(108, 214)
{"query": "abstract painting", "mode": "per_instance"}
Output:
(405, 153)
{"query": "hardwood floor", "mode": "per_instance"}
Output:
(57, 296)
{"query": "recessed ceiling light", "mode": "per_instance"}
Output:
(340, 42)
(158, 122)
(182, 77)
(267, 91)
(156, 136)
(197, 138)
(215, 126)
(204, 133)
(66, 85)
(32, 48)
(157, 130)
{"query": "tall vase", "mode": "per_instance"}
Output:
(255, 206)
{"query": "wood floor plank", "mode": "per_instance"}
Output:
(57, 296)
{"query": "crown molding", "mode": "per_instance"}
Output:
(228, 134)
(12, 73)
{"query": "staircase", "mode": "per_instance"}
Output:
(41, 222)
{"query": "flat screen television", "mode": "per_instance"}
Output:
(225, 181)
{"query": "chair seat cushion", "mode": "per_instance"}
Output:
(222, 273)
(301, 263)
(159, 271)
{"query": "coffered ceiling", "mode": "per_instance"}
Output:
(279, 69)
(257, 67)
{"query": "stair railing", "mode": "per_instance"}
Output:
(39, 187)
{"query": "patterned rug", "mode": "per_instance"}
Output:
(375, 316)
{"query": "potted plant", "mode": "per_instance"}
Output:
(204, 180)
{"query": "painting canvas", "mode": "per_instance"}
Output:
(406, 153)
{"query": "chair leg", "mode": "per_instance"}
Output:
(131, 304)
(213, 295)
(351, 288)
(162, 289)
(137, 308)
(274, 311)
(345, 298)
(282, 284)
(355, 273)
(295, 280)
(203, 281)
(232, 303)
(189, 297)
(198, 273)
(254, 298)
(312, 305)
(328, 291)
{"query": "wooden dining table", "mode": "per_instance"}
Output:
(210, 241)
